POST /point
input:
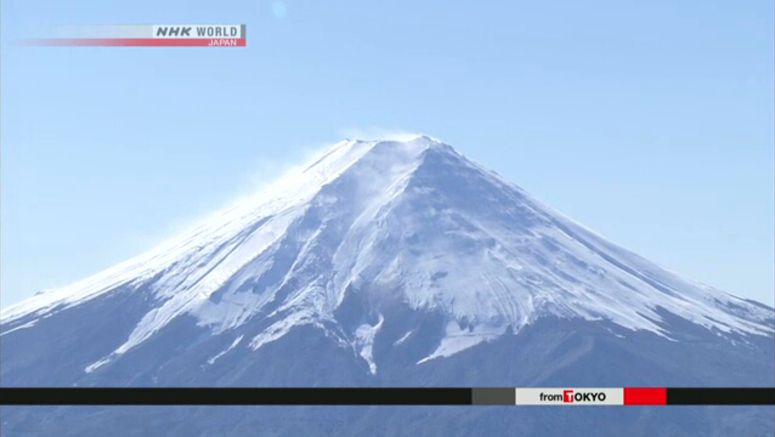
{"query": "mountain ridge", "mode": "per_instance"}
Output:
(414, 217)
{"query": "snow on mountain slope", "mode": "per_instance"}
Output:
(411, 221)
(191, 257)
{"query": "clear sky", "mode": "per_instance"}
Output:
(650, 122)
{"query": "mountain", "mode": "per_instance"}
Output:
(388, 263)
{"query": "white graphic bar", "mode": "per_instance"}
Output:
(569, 396)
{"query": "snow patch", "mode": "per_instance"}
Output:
(403, 338)
(29, 324)
(364, 342)
(282, 327)
(234, 344)
(99, 363)
(458, 339)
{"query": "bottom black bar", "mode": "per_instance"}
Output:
(235, 396)
(339, 396)
(721, 396)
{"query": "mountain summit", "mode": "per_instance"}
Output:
(384, 261)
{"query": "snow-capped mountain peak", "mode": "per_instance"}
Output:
(395, 224)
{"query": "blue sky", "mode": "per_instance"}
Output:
(650, 122)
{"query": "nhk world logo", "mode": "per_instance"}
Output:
(149, 35)
(233, 31)
(569, 396)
